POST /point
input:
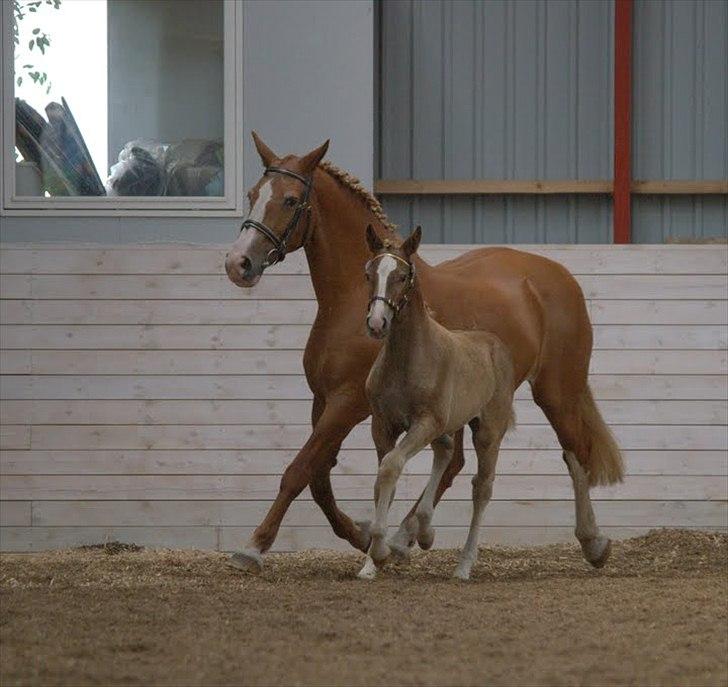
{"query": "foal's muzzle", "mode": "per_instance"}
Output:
(377, 322)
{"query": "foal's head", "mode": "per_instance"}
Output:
(279, 219)
(390, 274)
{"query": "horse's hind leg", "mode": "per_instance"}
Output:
(595, 547)
(571, 430)
(486, 448)
(443, 450)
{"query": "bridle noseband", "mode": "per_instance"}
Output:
(396, 307)
(278, 252)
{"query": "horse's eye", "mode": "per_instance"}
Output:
(290, 201)
(366, 275)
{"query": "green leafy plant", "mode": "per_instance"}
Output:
(39, 40)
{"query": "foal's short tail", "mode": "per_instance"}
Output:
(604, 464)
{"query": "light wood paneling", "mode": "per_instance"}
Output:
(145, 398)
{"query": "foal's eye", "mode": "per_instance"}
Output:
(290, 201)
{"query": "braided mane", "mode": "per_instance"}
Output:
(353, 184)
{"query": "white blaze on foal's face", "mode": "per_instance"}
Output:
(386, 277)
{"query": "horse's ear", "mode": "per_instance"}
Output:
(310, 160)
(267, 156)
(412, 242)
(375, 243)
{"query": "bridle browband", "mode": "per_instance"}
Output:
(396, 307)
(278, 252)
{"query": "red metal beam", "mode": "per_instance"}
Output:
(622, 120)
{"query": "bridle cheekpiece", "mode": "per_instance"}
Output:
(396, 307)
(278, 252)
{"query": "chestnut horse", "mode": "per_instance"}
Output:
(530, 303)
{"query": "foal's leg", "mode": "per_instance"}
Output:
(443, 450)
(423, 432)
(384, 439)
(595, 547)
(403, 540)
(486, 448)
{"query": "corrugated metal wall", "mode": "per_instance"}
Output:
(680, 125)
(523, 90)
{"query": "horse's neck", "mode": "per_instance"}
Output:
(411, 330)
(337, 250)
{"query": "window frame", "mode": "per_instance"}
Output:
(228, 205)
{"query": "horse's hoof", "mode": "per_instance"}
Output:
(250, 561)
(369, 571)
(597, 551)
(380, 552)
(399, 553)
(426, 537)
(461, 574)
(365, 535)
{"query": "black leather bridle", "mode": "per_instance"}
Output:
(278, 252)
(396, 307)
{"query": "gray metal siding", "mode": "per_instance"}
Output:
(680, 125)
(523, 90)
(497, 90)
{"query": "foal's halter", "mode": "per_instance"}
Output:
(396, 307)
(278, 252)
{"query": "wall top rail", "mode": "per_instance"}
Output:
(542, 187)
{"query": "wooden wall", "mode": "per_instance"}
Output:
(146, 399)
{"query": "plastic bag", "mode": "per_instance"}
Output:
(140, 170)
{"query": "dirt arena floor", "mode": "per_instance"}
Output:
(655, 615)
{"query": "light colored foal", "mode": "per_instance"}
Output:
(428, 382)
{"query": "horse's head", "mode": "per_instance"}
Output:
(391, 275)
(279, 217)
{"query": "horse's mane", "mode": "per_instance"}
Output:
(355, 186)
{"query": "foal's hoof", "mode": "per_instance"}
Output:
(426, 537)
(597, 551)
(399, 553)
(380, 552)
(369, 571)
(249, 561)
(364, 534)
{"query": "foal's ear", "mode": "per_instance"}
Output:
(412, 242)
(375, 243)
(310, 160)
(267, 156)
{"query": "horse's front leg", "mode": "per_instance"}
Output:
(421, 433)
(335, 422)
(408, 533)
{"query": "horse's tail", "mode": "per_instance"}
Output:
(603, 462)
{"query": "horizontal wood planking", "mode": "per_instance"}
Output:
(290, 387)
(15, 513)
(298, 287)
(307, 514)
(215, 312)
(190, 362)
(355, 487)
(350, 462)
(219, 412)
(288, 436)
(288, 362)
(448, 187)
(294, 336)
(160, 259)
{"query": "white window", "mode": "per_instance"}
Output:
(121, 107)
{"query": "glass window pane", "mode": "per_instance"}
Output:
(119, 97)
